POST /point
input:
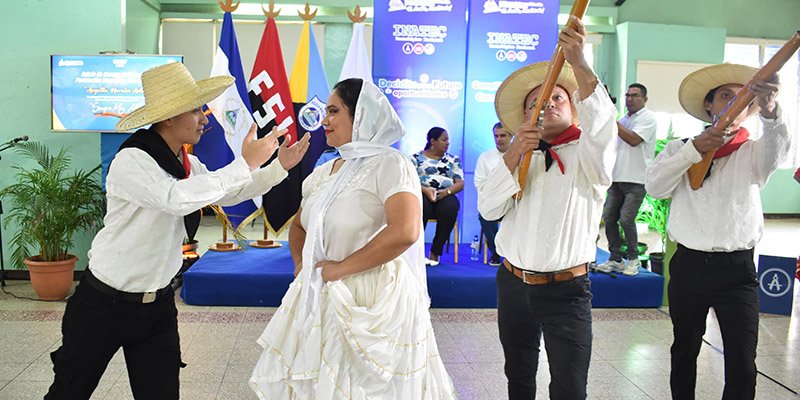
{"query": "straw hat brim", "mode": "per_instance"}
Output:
(509, 102)
(208, 89)
(695, 86)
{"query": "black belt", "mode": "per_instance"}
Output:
(143, 298)
(714, 253)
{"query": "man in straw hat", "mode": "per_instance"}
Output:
(154, 191)
(717, 226)
(548, 236)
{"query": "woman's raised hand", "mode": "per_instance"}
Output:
(289, 156)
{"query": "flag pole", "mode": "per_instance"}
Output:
(266, 242)
(272, 13)
(356, 16)
(228, 5)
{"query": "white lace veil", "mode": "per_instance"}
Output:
(376, 127)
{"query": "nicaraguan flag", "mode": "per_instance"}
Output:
(356, 62)
(230, 120)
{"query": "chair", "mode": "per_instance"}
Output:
(485, 248)
(455, 238)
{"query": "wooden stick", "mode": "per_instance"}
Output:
(697, 172)
(553, 70)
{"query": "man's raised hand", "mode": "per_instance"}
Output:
(257, 151)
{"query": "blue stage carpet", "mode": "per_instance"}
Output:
(260, 277)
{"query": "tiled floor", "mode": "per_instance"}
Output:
(630, 357)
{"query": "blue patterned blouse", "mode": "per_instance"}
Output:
(438, 174)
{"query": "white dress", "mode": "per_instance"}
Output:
(375, 331)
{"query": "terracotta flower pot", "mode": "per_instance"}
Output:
(51, 280)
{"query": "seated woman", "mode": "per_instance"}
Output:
(441, 176)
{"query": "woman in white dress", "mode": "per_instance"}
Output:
(355, 324)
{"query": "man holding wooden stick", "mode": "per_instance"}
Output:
(155, 191)
(717, 226)
(548, 235)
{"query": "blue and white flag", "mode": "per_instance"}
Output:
(230, 120)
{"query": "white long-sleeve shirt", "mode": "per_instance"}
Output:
(555, 224)
(486, 163)
(139, 247)
(725, 214)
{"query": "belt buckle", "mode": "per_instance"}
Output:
(526, 274)
(148, 297)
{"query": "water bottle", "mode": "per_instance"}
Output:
(474, 248)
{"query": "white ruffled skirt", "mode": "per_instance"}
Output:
(374, 340)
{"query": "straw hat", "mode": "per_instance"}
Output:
(170, 90)
(509, 102)
(695, 86)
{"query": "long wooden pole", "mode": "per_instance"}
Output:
(553, 70)
(697, 172)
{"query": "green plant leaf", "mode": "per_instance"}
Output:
(51, 203)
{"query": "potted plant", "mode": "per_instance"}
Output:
(655, 212)
(49, 205)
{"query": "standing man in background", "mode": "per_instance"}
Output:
(487, 161)
(635, 150)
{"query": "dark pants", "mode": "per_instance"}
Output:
(562, 312)
(445, 212)
(622, 205)
(727, 282)
(95, 326)
(489, 229)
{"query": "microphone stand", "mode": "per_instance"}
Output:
(6, 146)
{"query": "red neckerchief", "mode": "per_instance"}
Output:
(568, 135)
(741, 137)
(187, 166)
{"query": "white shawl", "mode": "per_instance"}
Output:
(376, 126)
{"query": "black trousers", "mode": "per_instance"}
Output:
(445, 211)
(95, 326)
(562, 311)
(727, 282)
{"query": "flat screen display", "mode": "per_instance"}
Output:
(91, 93)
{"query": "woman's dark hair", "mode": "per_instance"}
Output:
(434, 134)
(348, 90)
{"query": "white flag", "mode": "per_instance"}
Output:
(356, 62)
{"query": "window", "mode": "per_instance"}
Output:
(756, 53)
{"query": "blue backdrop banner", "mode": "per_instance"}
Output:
(434, 77)
(502, 38)
(418, 61)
